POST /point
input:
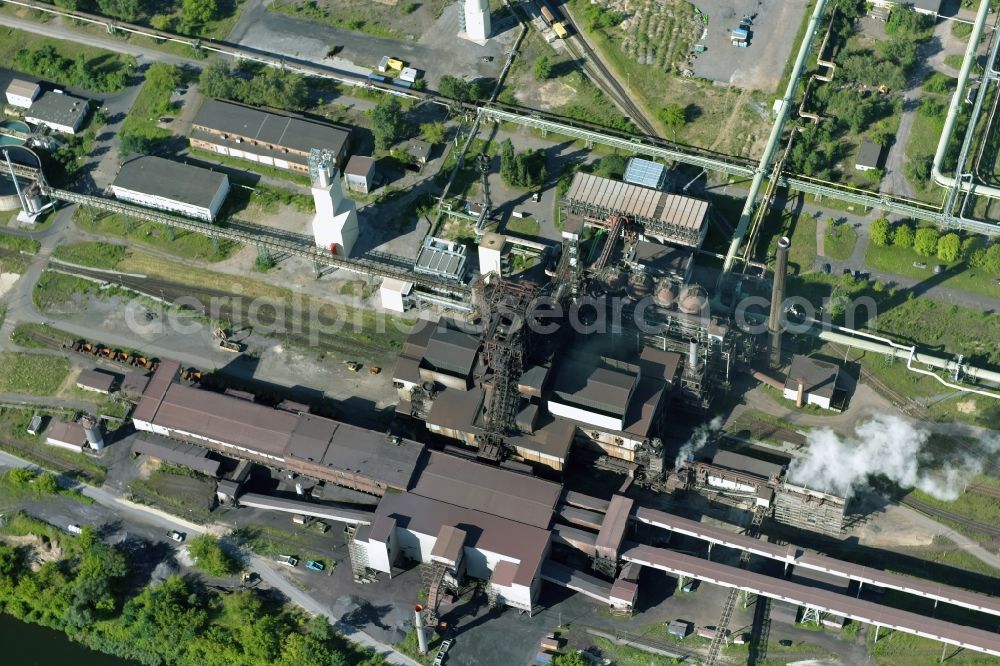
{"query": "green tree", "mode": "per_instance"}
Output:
(903, 236)
(126, 10)
(388, 123)
(569, 659)
(673, 117)
(209, 556)
(299, 650)
(196, 13)
(47, 484)
(216, 80)
(131, 144)
(925, 241)
(543, 68)
(456, 88)
(433, 132)
(991, 259)
(904, 21)
(612, 166)
(507, 162)
(878, 231)
(949, 247)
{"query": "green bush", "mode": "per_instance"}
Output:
(903, 236)
(878, 231)
(210, 558)
(925, 241)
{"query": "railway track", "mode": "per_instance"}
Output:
(935, 512)
(982, 489)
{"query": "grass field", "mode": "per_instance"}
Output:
(19, 244)
(525, 226)
(32, 374)
(900, 260)
(345, 18)
(91, 253)
(839, 241)
(184, 244)
(180, 494)
(152, 103)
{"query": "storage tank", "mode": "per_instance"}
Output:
(665, 293)
(693, 299)
(92, 429)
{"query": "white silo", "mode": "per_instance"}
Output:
(335, 225)
(92, 429)
(477, 20)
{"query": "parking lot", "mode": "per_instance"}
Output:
(760, 65)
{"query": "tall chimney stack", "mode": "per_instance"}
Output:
(418, 621)
(777, 299)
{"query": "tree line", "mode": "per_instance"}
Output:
(87, 594)
(255, 85)
(189, 18)
(929, 242)
(100, 74)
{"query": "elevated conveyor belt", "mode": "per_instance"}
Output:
(802, 595)
(325, 511)
(795, 556)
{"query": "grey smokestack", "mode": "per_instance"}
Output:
(693, 362)
(418, 621)
(777, 298)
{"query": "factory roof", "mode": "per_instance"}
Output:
(68, 432)
(612, 532)
(817, 377)
(504, 573)
(345, 447)
(58, 109)
(597, 386)
(449, 544)
(741, 463)
(359, 165)
(515, 540)
(492, 490)
(645, 172)
(172, 451)
(96, 379)
(272, 128)
(450, 349)
(868, 154)
(659, 364)
(175, 181)
(639, 203)
(135, 383)
(661, 259)
(156, 390)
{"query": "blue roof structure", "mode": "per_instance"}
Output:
(645, 172)
(740, 33)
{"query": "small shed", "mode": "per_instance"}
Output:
(679, 628)
(868, 155)
(408, 74)
(360, 173)
(22, 93)
(395, 294)
(96, 380)
(419, 150)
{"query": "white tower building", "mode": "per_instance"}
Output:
(477, 19)
(335, 226)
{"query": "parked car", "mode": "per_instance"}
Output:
(446, 644)
(74, 529)
(288, 560)
(691, 586)
(177, 536)
(826, 269)
(919, 264)
(784, 642)
(536, 196)
(848, 271)
(314, 565)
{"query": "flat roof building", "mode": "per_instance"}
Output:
(58, 111)
(868, 155)
(271, 138)
(22, 93)
(162, 184)
(812, 382)
(96, 380)
(670, 218)
(359, 173)
(661, 260)
(441, 258)
(646, 173)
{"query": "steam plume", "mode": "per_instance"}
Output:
(892, 447)
(698, 439)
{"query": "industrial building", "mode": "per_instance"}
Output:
(67, 435)
(21, 93)
(162, 184)
(58, 111)
(813, 382)
(668, 218)
(269, 137)
(307, 444)
(166, 450)
(442, 258)
(868, 155)
(419, 150)
(645, 173)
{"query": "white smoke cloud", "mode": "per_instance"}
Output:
(892, 447)
(698, 439)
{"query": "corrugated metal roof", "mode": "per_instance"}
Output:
(22, 88)
(594, 386)
(451, 349)
(741, 463)
(359, 165)
(68, 432)
(818, 377)
(504, 573)
(449, 544)
(96, 379)
(180, 453)
(488, 489)
(155, 176)
(609, 538)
